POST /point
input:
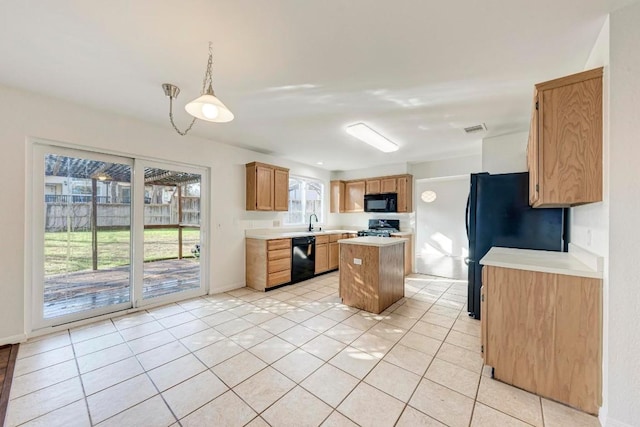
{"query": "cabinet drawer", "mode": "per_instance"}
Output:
(279, 265)
(278, 278)
(279, 254)
(322, 239)
(279, 244)
(335, 237)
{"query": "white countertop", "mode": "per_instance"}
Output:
(373, 241)
(402, 233)
(290, 234)
(542, 261)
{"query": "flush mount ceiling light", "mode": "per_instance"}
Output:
(371, 137)
(206, 107)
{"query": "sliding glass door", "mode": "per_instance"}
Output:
(112, 233)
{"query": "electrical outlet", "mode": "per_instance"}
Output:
(276, 223)
(357, 261)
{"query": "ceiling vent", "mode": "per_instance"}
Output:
(477, 128)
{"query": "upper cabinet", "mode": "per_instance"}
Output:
(267, 187)
(354, 196)
(372, 186)
(348, 196)
(337, 197)
(564, 154)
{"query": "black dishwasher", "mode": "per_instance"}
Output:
(303, 258)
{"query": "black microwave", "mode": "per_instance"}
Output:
(384, 202)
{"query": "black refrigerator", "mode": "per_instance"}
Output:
(498, 214)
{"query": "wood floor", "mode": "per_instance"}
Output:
(86, 290)
(8, 354)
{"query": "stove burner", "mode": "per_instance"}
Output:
(377, 233)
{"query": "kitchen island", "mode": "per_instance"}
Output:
(371, 272)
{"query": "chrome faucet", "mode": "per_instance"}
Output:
(311, 225)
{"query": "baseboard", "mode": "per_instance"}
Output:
(227, 288)
(610, 422)
(14, 339)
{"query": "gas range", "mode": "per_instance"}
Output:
(381, 228)
(378, 233)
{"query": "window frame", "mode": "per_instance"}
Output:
(305, 215)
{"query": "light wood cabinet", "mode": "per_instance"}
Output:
(408, 253)
(337, 197)
(322, 254)
(405, 193)
(267, 187)
(377, 279)
(564, 153)
(372, 186)
(267, 263)
(354, 196)
(542, 332)
(388, 185)
(334, 250)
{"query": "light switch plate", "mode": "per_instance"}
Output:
(357, 261)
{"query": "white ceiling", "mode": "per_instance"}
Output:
(296, 72)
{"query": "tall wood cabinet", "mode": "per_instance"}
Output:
(267, 187)
(564, 154)
(542, 332)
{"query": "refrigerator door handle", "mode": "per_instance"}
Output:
(466, 220)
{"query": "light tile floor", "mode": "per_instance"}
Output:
(291, 357)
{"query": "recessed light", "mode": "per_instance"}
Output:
(319, 163)
(371, 137)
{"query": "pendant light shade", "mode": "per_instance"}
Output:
(209, 108)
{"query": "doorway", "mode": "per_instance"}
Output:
(112, 233)
(441, 240)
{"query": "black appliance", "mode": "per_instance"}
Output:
(383, 202)
(381, 227)
(303, 258)
(498, 214)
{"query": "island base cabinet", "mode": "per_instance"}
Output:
(371, 277)
(542, 332)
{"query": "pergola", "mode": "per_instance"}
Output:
(95, 170)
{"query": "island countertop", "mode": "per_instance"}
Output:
(373, 241)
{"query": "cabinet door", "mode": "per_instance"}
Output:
(264, 188)
(373, 186)
(281, 190)
(404, 194)
(532, 153)
(569, 140)
(354, 196)
(388, 185)
(334, 252)
(322, 258)
(337, 196)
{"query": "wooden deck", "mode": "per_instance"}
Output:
(85, 290)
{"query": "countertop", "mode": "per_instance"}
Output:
(290, 234)
(542, 261)
(372, 241)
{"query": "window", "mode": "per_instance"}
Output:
(306, 196)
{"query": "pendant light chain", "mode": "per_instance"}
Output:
(173, 124)
(208, 77)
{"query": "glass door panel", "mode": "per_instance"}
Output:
(172, 238)
(85, 234)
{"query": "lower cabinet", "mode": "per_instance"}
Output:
(408, 253)
(322, 254)
(334, 255)
(542, 332)
(267, 263)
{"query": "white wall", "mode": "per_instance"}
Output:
(623, 400)
(447, 167)
(26, 115)
(505, 153)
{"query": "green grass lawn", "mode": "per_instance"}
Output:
(69, 252)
